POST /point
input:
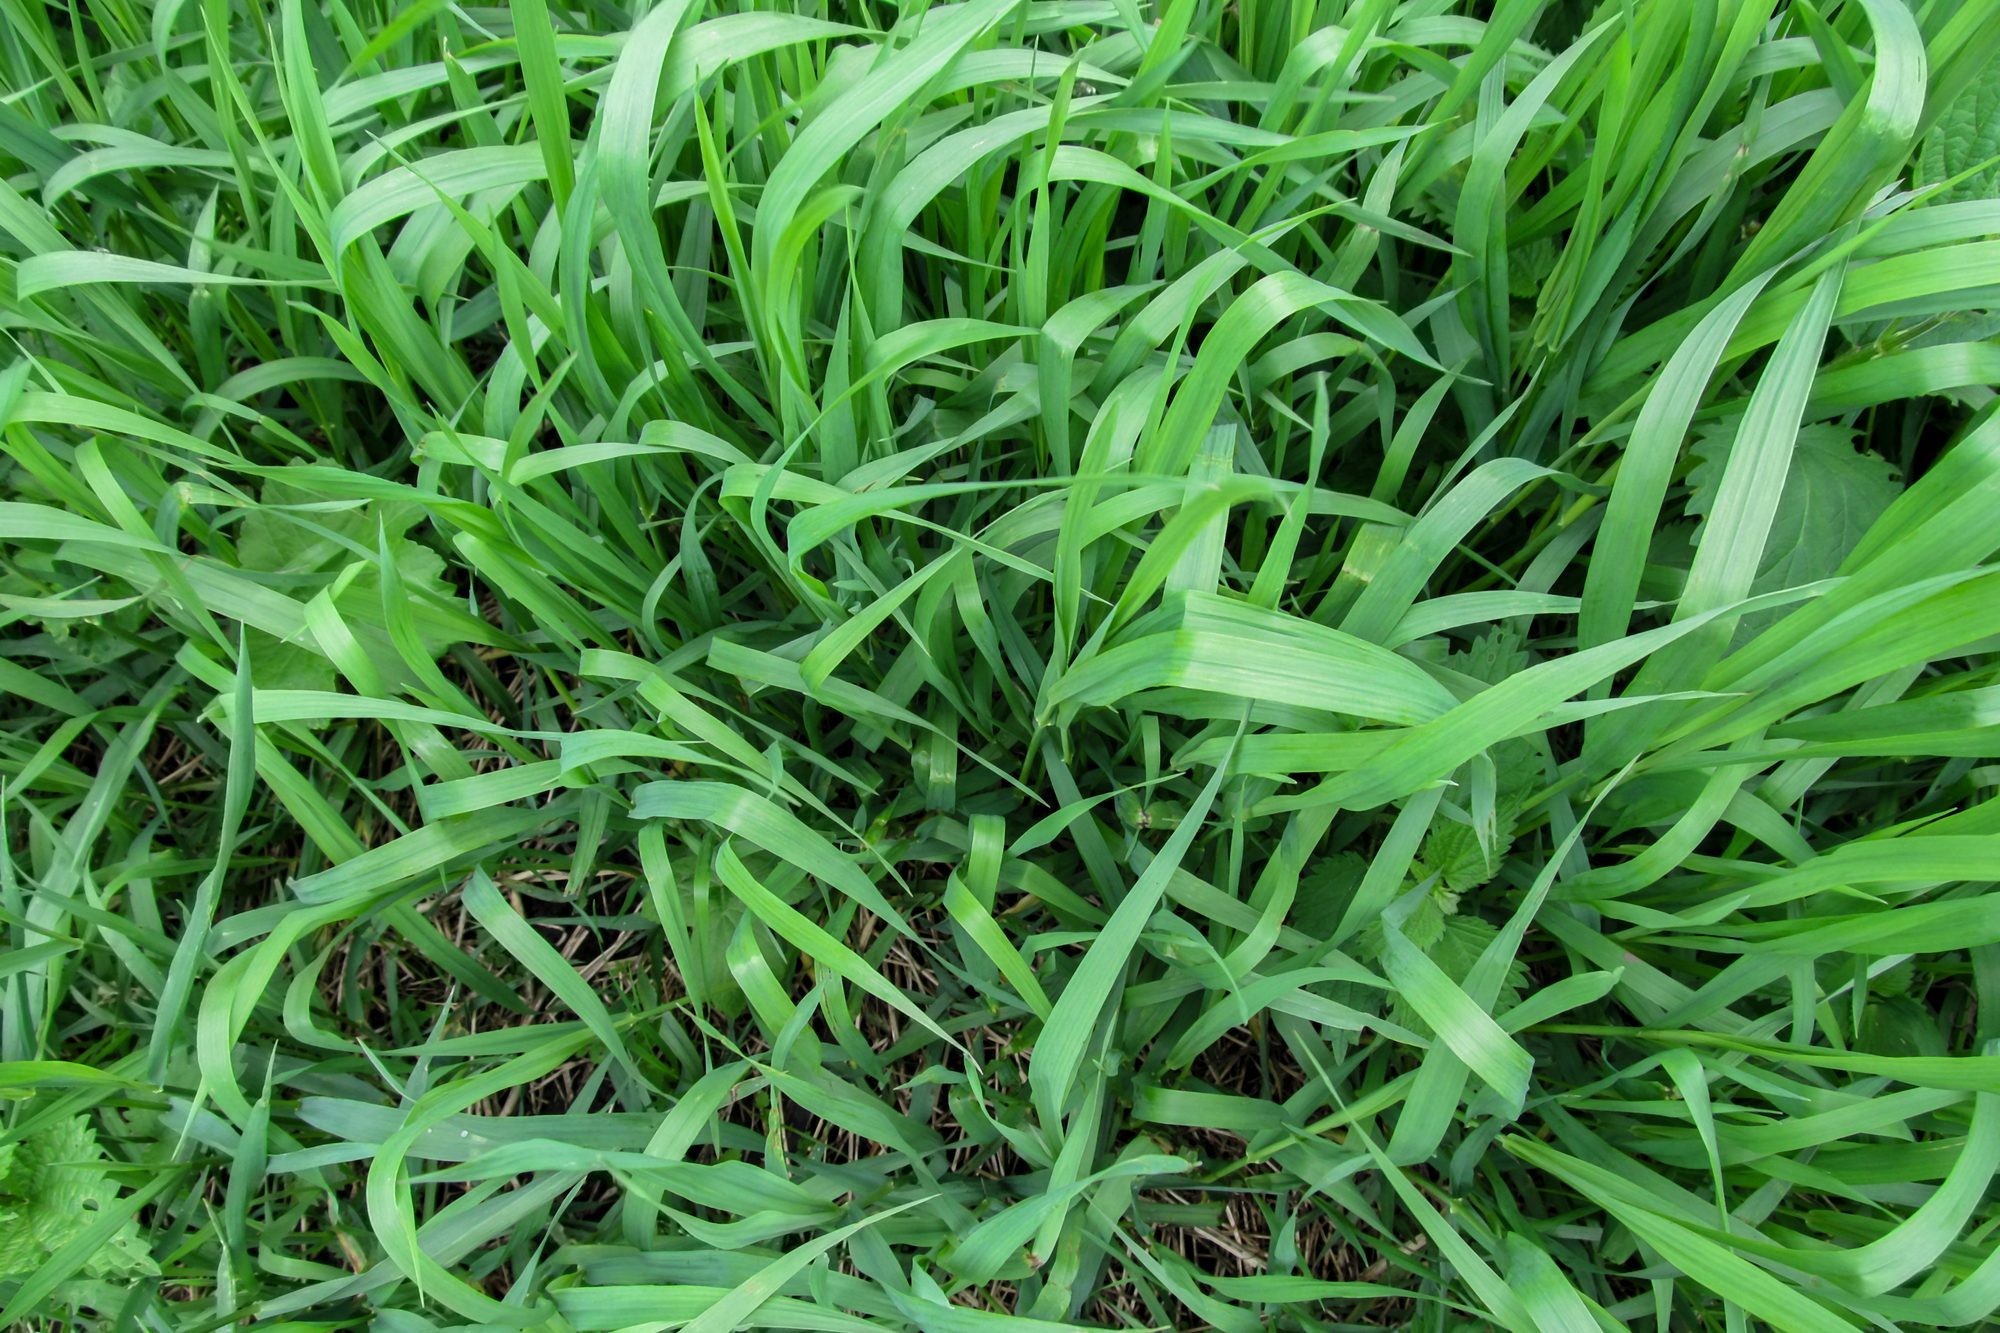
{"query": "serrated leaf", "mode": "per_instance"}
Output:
(288, 533)
(1833, 494)
(1324, 891)
(1422, 928)
(422, 571)
(1456, 946)
(1529, 266)
(1894, 981)
(1493, 656)
(1899, 1025)
(57, 1183)
(1967, 134)
(277, 665)
(1454, 851)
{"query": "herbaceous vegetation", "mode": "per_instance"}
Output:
(1288, 664)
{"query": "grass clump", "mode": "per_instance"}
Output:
(1019, 664)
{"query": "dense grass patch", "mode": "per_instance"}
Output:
(1297, 664)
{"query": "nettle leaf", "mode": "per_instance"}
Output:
(1967, 134)
(1894, 981)
(1324, 891)
(1529, 266)
(1423, 927)
(1452, 848)
(1459, 945)
(1833, 495)
(311, 545)
(277, 541)
(277, 665)
(1963, 327)
(1493, 656)
(1669, 556)
(422, 572)
(1454, 851)
(294, 531)
(1454, 942)
(54, 1186)
(1899, 1025)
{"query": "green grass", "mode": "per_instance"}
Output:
(1301, 664)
